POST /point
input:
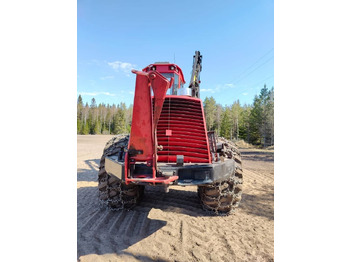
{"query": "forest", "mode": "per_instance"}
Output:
(253, 123)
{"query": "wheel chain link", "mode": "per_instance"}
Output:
(229, 151)
(117, 200)
(111, 204)
(215, 210)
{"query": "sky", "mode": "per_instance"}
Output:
(235, 38)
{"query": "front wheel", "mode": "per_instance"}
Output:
(224, 197)
(113, 192)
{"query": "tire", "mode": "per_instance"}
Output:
(224, 197)
(113, 192)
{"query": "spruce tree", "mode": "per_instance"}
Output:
(119, 122)
(225, 125)
(210, 111)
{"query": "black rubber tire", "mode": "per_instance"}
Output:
(224, 197)
(112, 191)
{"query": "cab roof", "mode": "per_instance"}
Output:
(165, 67)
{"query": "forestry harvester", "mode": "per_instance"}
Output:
(169, 145)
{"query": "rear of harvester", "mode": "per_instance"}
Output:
(170, 145)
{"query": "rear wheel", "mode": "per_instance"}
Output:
(113, 192)
(224, 197)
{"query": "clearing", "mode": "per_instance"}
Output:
(172, 226)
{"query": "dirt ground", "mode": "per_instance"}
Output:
(172, 226)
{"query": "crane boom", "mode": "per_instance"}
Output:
(195, 78)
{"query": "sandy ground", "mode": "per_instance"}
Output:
(172, 226)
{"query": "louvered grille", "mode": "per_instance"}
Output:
(183, 117)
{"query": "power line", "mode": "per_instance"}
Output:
(262, 80)
(254, 63)
(253, 70)
(251, 86)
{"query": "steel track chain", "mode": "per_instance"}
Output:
(230, 151)
(116, 202)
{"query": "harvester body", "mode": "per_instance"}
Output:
(169, 143)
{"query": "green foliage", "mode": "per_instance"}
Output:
(257, 125)
(252, 123)
(225, 130)
(210, 109)
(97, 128)
(79, 126)
(102, 119)
(243, 123)
(86, 129)
(119, 122)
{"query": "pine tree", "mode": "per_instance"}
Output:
(225, 130)
(236, 110)
(79, 126)
(243, 123)
(270, 119)
(255, 122)
(97, 128)
(210, 112)
(80, 108)
(86, 129)
(217, 120)
(119, 122)
(85, 119)
(261, 118)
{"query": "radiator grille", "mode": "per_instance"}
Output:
(183, 118)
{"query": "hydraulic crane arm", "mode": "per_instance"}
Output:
(195, 78)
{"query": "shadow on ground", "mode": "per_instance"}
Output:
(176, 201)
(106, 232)
(101, 231)
(89, 174)
(261, 204)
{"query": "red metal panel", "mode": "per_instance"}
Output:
(141, 128)
(142, 142)
(143, 119)
(182, 129)
(188, 126)
(160, 86)
(185, 148)
(189, 141)
(165, 68)
(184, 116)
(187, 159)
(188, 144)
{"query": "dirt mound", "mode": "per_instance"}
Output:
(243, 144)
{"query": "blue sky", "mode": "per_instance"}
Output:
(236, 39)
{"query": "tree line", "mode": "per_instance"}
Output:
(103, 119)
(253, 123)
